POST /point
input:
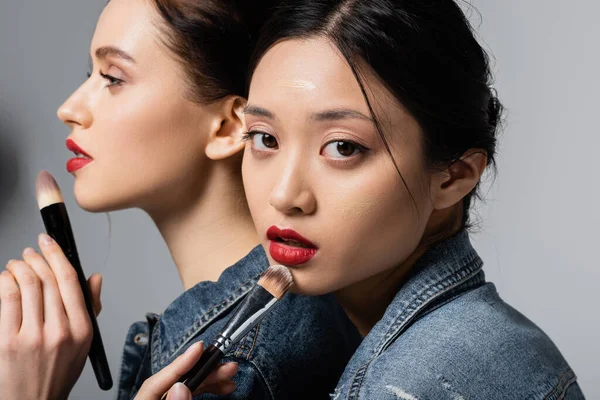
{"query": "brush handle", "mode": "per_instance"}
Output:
(246, 316)
(207, 363)
(201, 370)
(58, 226)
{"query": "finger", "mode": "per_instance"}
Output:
(10, 305)
(68, 281)
(222, 389)
(54, 311)
(158, 384)
(179, 392)
(32, 302)
(221, 374)
(95, 285)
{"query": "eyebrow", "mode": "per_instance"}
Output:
(105, 51)
(322, 116)
(339, 114)
(259, 112)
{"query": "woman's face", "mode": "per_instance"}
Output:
(132, 118)
(314, 164)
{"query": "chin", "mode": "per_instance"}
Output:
(91, 205)
(96, 201)
(308, 287)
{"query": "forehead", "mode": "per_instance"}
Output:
(313, 70)
(130, 25)
(298, 77)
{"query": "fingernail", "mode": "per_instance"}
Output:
(194, 347)
(10, 261)
(179, 392)
(45, 239)
(28, 251)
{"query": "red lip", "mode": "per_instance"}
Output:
(79, 162)
(72, 146)
(289, 253)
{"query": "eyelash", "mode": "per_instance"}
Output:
(111, 79)
(361, 149)
(251, 133)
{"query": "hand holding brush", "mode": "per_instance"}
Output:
(45, 327)
(270, 288)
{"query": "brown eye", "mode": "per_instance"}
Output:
(341, 149)
(261, 141)
(269, 141)
(346, 149)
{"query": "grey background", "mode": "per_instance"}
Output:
(537, 230)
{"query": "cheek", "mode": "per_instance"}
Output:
(141, 149)
(367, 198)
(373, 221)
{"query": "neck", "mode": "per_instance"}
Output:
(365, 302)
(209, 232)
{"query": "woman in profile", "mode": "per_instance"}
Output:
(158, 126)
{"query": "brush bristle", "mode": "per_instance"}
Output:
(276, 280)
(47, 190)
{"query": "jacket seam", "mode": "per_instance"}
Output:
(243, 289)
(254, 340)
(419, 302)
(565, 380)
(266, 382)
(415, 306)
(354, 392)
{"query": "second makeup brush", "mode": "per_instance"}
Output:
(269, 289)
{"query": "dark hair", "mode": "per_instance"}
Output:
(423, 51)
(213, 39)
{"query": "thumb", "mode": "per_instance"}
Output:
(95, 285)
(179, 392)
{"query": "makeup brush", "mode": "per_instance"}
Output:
(270, 288)
(58, 226)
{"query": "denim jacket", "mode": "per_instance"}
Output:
(297, 352)
(448, 335)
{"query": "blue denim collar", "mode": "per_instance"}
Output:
(198, 306)
(442, 268)
(441, 271)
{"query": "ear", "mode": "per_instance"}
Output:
(458, 180)
(226, 140)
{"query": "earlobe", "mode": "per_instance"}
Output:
(226, 140)
(459, 179)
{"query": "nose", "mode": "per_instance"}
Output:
(76, 110)
(292, 193)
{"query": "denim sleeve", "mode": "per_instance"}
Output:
(250, 385)
(573, 392)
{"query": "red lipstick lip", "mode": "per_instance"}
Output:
(72, 146)
(287, 253)
(274, 233)
(79, 162)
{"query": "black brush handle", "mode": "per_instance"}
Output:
(194, 377)
(246, 316)
(207, 363)
(58, 226)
